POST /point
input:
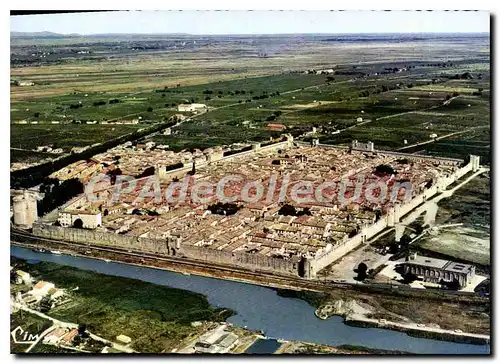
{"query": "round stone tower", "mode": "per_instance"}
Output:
(25, 211)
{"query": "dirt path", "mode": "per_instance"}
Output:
(40, 337)
(70, 325)
(443, 137)
(32, 151)
(400, 114)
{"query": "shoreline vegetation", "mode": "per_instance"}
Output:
(156, 317)
(449, 313)
(463, 321)
(144, 317)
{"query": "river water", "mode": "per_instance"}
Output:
(260, 308)
(263, 346)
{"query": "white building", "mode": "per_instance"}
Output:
(124, 339)
(24, 277)
(327, 71)
(217, 341)
(191, 107)
(89, 220)
(25, 83)
(42, 288)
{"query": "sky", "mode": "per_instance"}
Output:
(256, 22)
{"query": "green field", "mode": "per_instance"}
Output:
(29, 323)
(156, 317)
(236, 116)
(471, 206)
(244, 92)
(66, 136)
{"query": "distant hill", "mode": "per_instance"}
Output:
(36, 34)
(103, 35)
(354, 37)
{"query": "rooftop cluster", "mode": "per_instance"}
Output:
(277, 224)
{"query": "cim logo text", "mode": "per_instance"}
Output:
(23, 337)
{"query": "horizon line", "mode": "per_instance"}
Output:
(183, 33)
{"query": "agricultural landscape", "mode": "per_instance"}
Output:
(409, 274)
(410, 93)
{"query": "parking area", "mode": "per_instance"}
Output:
(343, 269)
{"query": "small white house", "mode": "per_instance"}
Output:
(41, 288)
(25, 83)
(191, 107)
(124, 339)
(24, 277)
(89, 220)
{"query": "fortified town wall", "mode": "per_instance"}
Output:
(170, 246)
(305, 267)
(165, 175)
(105, 239)
(394, 215)
(241, 259)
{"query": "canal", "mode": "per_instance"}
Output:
(260, 308)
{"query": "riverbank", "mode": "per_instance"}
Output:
(363, 315)
(468, 314)
(156, 318)
(298, 347)
(78, 285)
(200, 268)
(417, 330)
(419, 317)
(260, 308)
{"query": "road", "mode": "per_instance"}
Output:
(44, 316)
(70, 325)
(443, 137)
(40, 337)
(400, 114)
(32, 151)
